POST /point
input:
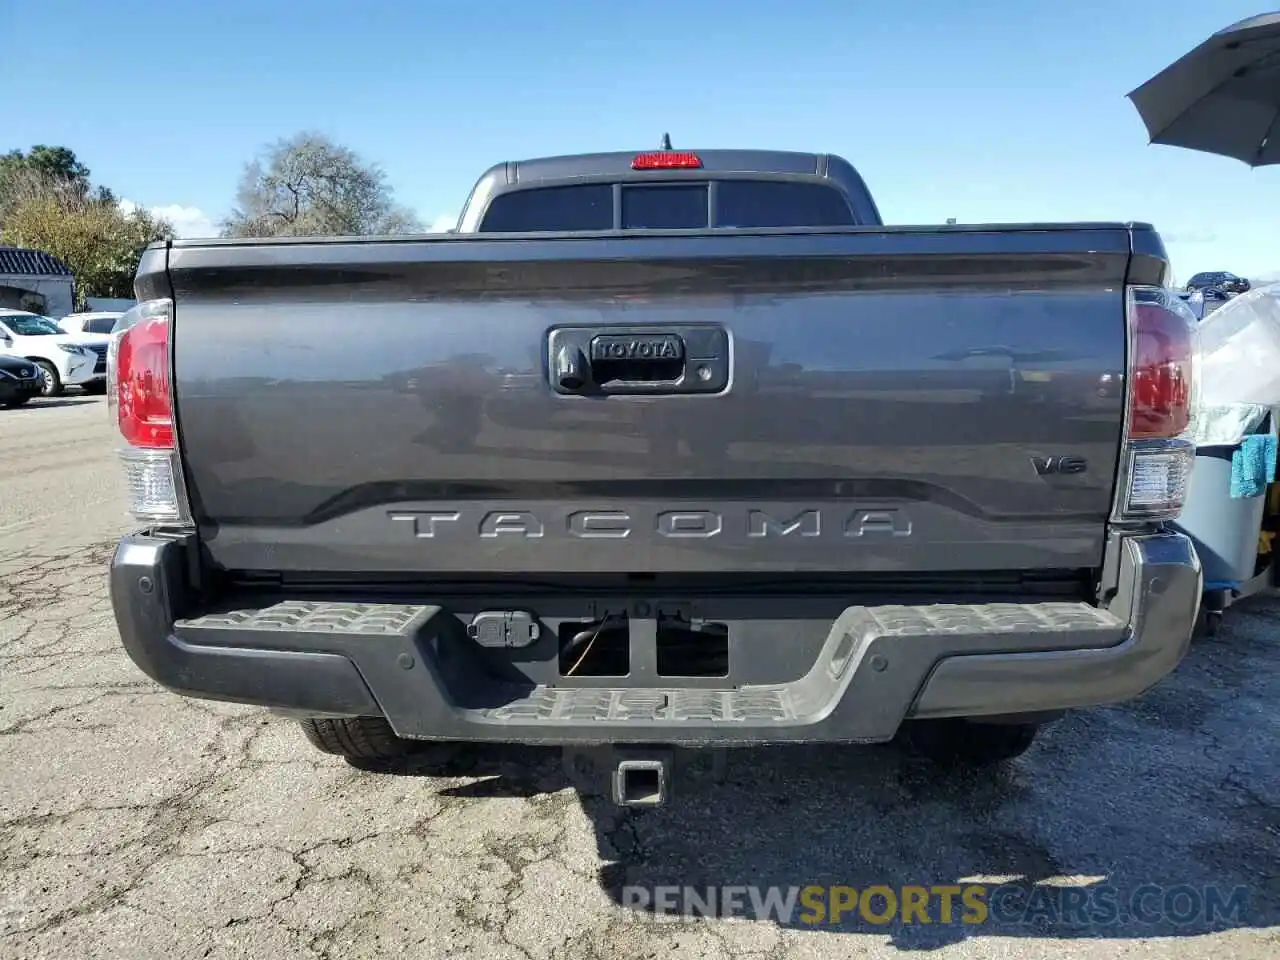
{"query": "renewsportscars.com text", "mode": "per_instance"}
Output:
(1004, 904)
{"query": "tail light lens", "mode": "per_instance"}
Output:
(140, 398)
(1161, 370)
(1161, 390)
(144, 401)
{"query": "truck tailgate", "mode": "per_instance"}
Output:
(896, 400)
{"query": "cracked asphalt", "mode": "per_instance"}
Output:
(135, 824)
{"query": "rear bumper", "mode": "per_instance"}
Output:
(877, 665)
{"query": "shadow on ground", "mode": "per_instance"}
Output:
(1150, 819)
(43, 403)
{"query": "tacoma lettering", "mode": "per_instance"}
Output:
(515, 523)
(807, 523)
(600, 524)
(890, 522)
(694, 524)
(424, 521)
(789, 523)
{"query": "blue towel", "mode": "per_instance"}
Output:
(1253, 466)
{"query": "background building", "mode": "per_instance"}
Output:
(35, 281)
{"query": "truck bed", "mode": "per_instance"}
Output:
(910, 400)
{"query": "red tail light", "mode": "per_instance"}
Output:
(139, 396)
(1158, 454)
(144, 403)
(667, 160)
(1160, 370)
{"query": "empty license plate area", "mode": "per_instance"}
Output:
(672, 646)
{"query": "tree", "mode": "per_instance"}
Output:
(48, 203)
(307, 185)
(43, 170)
(57, 163)
(92, 235)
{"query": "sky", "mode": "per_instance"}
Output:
(1000, 111)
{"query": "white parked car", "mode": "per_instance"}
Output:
(93, 330)
(89, 327)
(62, 361)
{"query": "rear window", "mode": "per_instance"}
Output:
(669, 206)
(778, 203)
(665, 207)
(587, 207)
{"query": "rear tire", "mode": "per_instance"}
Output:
(356, 738)
(967, 743)
(96, 388)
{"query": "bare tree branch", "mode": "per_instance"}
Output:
(307, 185)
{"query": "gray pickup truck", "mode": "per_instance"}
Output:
(659, 452)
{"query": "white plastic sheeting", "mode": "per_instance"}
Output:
(1238, 367)
(1226, 425)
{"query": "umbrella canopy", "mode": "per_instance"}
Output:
(1223, 97)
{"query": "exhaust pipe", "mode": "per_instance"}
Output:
(642, 782)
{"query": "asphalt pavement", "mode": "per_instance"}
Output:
(136, 824)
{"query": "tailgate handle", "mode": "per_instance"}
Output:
(686, 359)
(622, 359)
